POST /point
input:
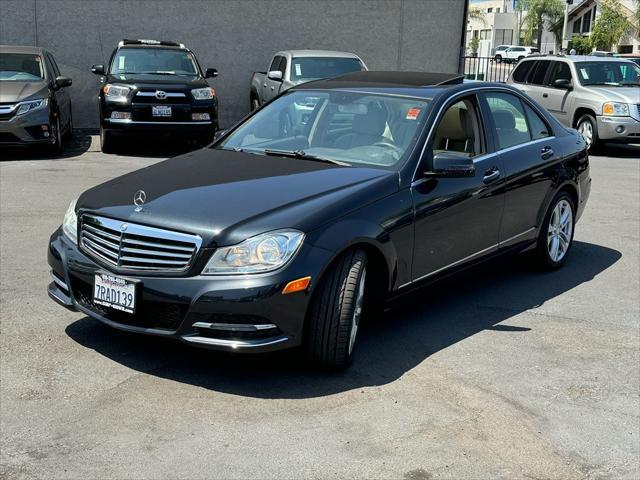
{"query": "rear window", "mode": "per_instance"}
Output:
(521, 71)
(311, 68)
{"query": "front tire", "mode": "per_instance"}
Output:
(588, 128)
(556, 234)
(57, 147)
(336, 311)
(106, 141)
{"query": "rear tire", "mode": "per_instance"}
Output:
(556, 234)
(498, 58)
(588, 128)
(336, 311)
(255, 103)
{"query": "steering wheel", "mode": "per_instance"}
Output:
(388, 145)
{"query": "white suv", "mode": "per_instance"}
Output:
(515, 54)
(498, 54)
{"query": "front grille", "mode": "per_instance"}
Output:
(129, 246)
(149, 314)
(7, 111)
(171, 98)
(7, 137)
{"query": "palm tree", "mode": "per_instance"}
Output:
(539, 11)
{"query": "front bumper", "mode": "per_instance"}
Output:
(26, 129)
(234, 313)
(618, 129)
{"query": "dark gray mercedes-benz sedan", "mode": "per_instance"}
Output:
(325, 202)
(35, 107)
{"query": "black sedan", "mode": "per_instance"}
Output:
(305, 216)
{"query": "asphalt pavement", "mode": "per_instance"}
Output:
(504, 372)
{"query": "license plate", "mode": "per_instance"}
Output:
(115, 292)
(161, 111)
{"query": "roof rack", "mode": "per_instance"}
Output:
(143, 41)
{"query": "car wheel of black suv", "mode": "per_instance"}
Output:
(106, 141)
(336, 311)
(556, 234)
(69, 133)
(588, 128)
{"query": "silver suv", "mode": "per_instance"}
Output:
(599, 96)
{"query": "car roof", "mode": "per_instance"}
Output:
(411, 84)
(317, 53)
(576, 58)
(21, 49)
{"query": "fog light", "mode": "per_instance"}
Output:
(619, 129)
(46, 134)
(200, 116)
(121, 115)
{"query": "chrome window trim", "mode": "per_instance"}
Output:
(139, 122)
(468, 257)
(467, 93)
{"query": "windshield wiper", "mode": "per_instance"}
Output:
(304, 156)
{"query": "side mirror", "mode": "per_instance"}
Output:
(563, 83)
(97, 69)
(62, 82)
(275, 75)
(210, 73)
(452, 165)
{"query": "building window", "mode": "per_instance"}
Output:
(586, 22)
(485, 34)
(504, 36)
(489, 10)
(625, 49)
(577, 25)
(498, 10)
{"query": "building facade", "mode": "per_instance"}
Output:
(235, 36)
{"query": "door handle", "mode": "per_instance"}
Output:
(491, 175)
(272, 88)
(546, 153)
(264, 85)
(545, 95)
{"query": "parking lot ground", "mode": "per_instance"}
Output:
(504, 372)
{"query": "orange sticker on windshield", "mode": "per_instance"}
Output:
(413, 113)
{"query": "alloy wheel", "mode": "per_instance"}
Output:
(586, 130)
(357, 311)
(560, 230)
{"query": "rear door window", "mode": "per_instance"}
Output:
(509, 119)
(539, 74)
(521, 71)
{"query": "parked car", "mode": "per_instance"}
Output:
(155, 88)
(630, 56)
(597, 95)
(293, 67)
(282, 235)
(515, 54)
(35, 107)
(499, 52)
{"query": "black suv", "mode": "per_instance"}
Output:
(156, 87)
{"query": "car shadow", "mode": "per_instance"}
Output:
(615, 150)
(423, 323)
(147, 146)
(74, 145)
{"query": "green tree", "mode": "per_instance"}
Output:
(476, 14)
(537, 13)
(582, 45)
(611, 26)
(636, 15)
(474, 43)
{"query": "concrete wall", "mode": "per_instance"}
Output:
(235, 36)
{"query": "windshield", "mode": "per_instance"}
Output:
(161, 61)
(304, 69)
(608, 73)
(21, 67)
(343, 127)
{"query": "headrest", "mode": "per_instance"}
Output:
(371, 123)
(504, 119)
(453, 124)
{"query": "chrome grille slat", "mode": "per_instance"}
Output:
(130, 246)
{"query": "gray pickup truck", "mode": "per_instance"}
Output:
(293, 67)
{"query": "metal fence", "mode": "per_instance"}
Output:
(486, 69)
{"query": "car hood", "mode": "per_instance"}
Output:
(226, 197)
(18, 91)
(630, 94)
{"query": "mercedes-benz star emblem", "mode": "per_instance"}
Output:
(160, 95)
(138, 199)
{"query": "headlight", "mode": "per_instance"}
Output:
(70, 222)
(262, 253)
(206, 93)
(116, 93)
(615, 109)
(31, 106)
